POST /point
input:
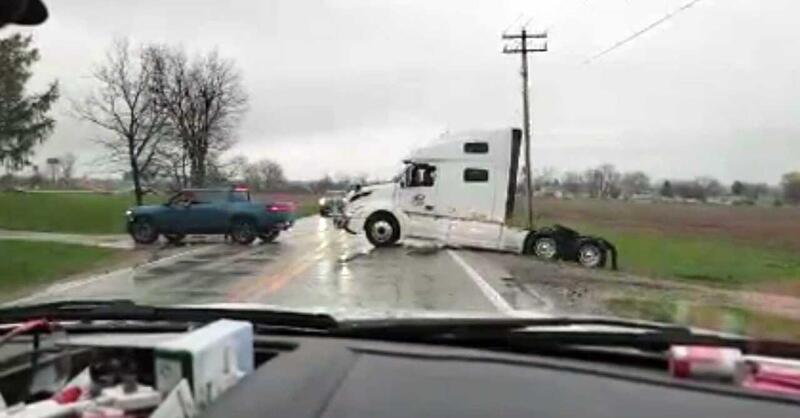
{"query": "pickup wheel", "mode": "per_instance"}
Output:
(269, 236)
(143, 231)
(382, 229)
(243, 231)
(174, 238)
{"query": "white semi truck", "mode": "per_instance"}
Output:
(461, 191)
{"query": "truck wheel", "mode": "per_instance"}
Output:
(143, 231)
(545, 248)
(590, 255)
(175, 238)
(269, 236)
(382, 230)
(243, 231)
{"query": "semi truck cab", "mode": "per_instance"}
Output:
(460, 191)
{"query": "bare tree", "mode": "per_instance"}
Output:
(710, 186)
(602, 181)
(790, 182)
(68, 161)
(236, 167)
(123, 105)
(270, 174)
(545, 177)
(635, 182)
(261, 175)
(572, 182)
(204, 100)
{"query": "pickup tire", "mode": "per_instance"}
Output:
(143, 231)
(243, 231)
(269, 236)
(382, 229)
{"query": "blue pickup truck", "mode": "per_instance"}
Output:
(210, 211)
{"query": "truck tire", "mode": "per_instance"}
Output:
(382, 229)
(143, 231)
(243, 231)
(545, 247)
(591, 255)
(175, 238)
(269, 236)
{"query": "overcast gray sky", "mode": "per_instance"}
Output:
(353, 85)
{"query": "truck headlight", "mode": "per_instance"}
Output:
(129, 213)
(322, 201)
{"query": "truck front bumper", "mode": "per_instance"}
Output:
(351, 225)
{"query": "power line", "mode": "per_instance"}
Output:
(646, 29)
(513, 23)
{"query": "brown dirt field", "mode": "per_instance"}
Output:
(771, 226)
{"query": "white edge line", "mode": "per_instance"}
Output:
(72, 284)
(495, 298)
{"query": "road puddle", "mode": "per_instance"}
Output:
(730, 319)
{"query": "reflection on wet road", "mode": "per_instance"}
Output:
(314, 266)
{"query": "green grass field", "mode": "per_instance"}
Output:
(64, 212)
(737, 320)
(31, 263)
(675, 246)
(87, 213)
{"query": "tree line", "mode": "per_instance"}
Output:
(605, 181)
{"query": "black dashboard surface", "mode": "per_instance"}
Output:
(337, 379)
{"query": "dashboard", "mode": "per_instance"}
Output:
(337, 378)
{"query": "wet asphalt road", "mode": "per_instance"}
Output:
(317, 267)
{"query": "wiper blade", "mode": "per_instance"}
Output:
(124, 309)
(537, 333)
(432, 326)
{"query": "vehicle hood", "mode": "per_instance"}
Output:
(375, 190)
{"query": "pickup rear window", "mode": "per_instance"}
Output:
(240, 196)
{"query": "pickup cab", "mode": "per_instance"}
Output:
(210, 211)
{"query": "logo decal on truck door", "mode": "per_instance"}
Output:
(418, 200)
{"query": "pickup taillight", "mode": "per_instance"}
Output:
(280, 207)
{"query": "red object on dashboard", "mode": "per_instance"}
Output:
(281, 207)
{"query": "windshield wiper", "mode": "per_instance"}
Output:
(123, 309)
(538, 333)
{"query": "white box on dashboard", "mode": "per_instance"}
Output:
(209, 358)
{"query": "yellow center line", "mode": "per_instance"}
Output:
(267, 284)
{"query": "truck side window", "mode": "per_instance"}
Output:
(476, 175)
(476, 147)
(422, 175)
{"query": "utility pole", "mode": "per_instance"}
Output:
(523, 50)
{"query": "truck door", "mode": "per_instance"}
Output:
(207, 213)
(173, 219)
(417, 198)
(468, 202)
